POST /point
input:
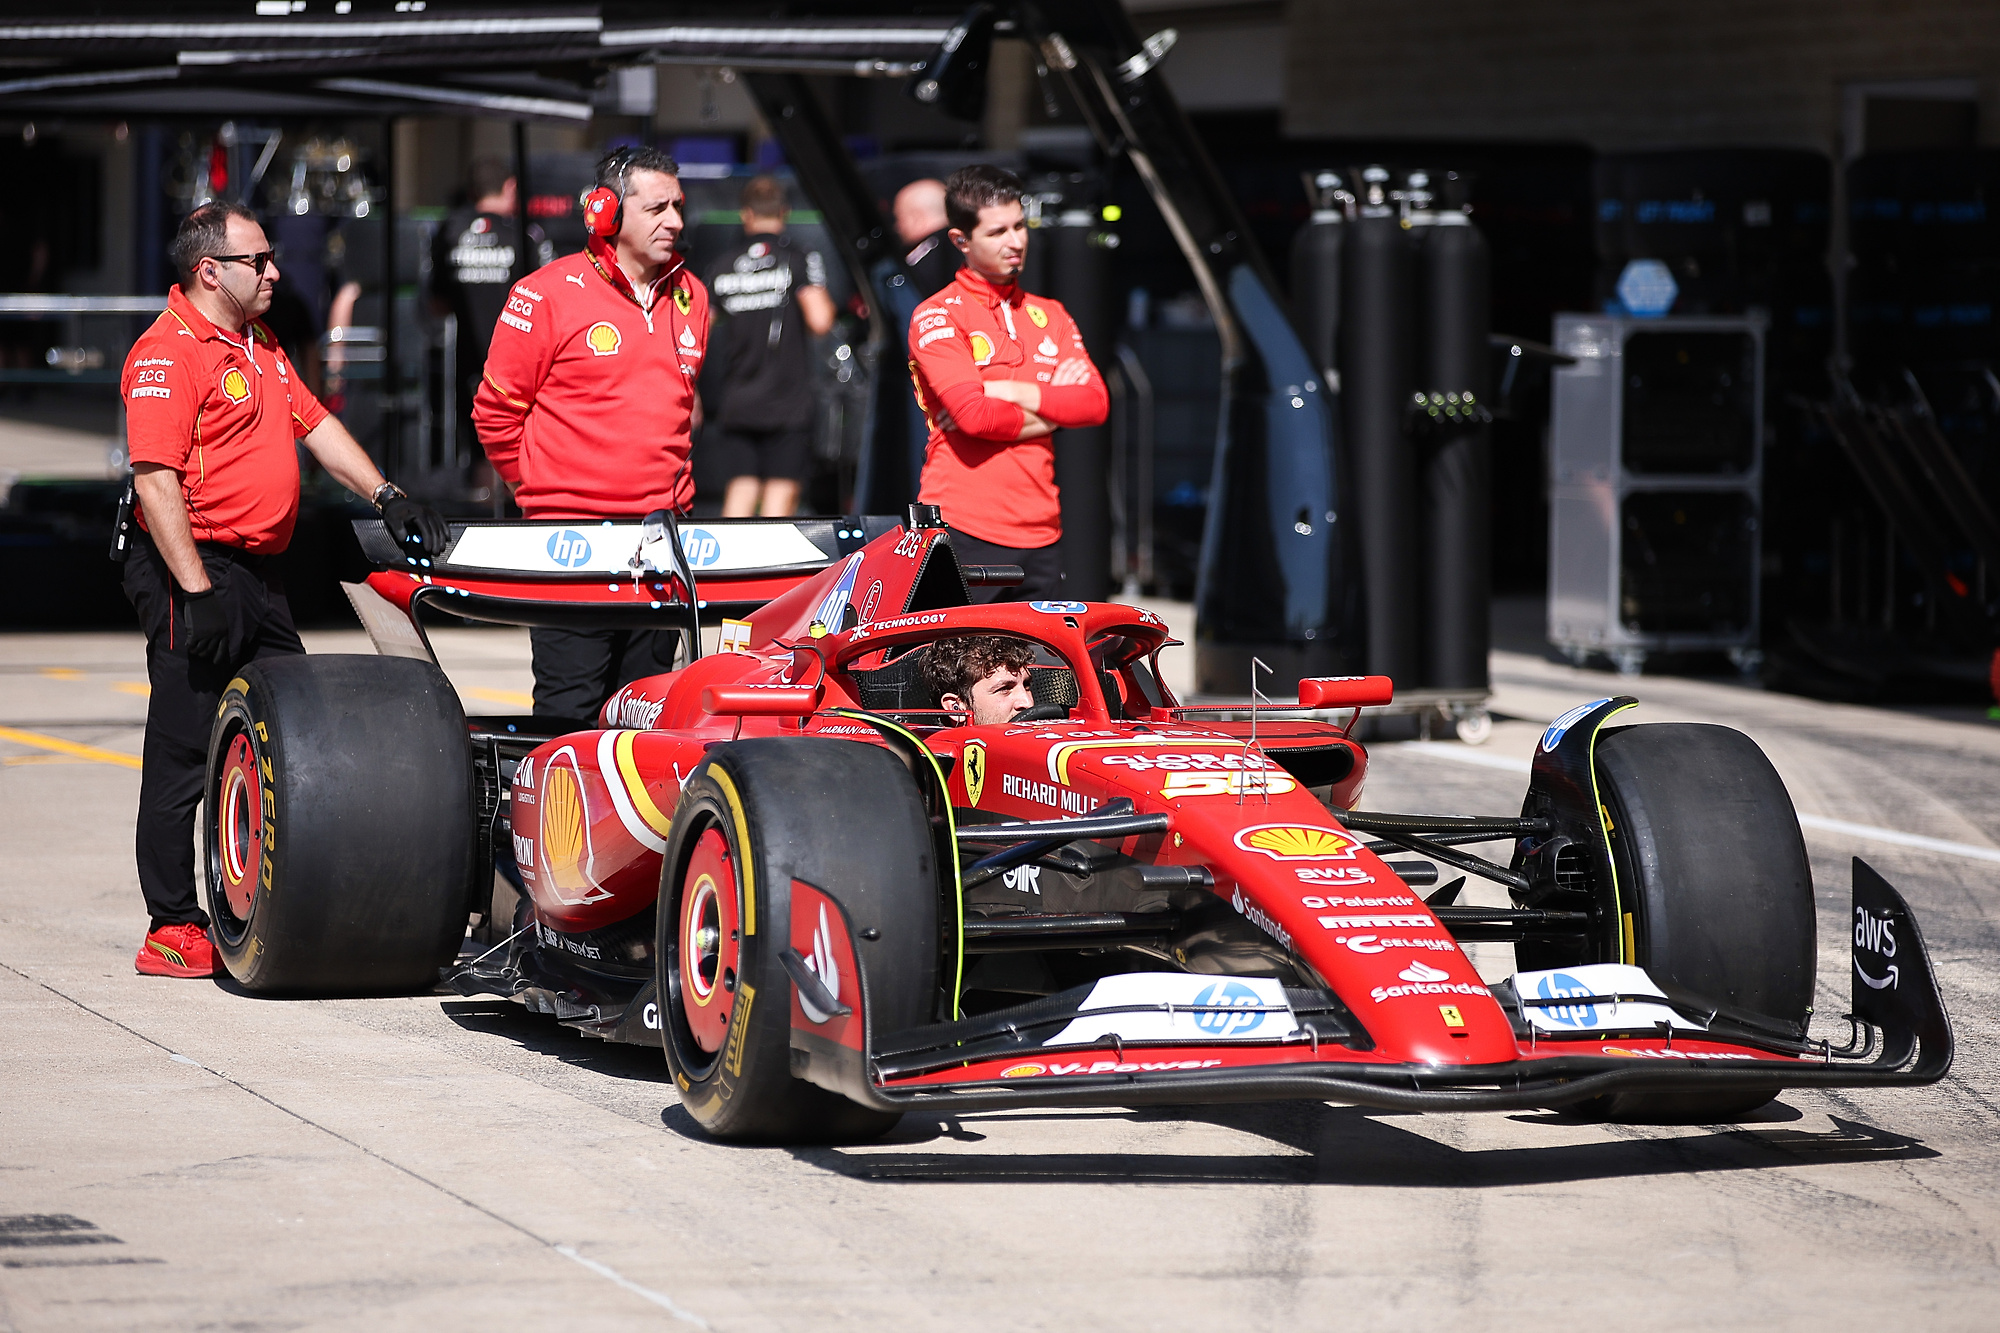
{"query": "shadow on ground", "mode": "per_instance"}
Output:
(1354, 1146)
(543, 1035)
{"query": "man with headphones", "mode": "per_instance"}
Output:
(212, 407)
(587, 403)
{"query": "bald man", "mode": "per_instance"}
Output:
(921, 223)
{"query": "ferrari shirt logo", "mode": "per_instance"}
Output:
(982, 349)
(975, 771)
(603, 338)
(682, 299)
(234, 386)
(1036, 313)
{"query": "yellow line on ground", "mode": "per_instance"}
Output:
(61, 746)
(138, 687)
(515, 697)
(62, 673)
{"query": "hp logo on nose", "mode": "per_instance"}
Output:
(569, 548)
(1562, 986)
(1219, 1000)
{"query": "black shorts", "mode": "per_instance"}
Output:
(1041, 564)
(773, 455)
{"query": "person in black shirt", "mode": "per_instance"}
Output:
(922, 227)
(474, 261)
(769, 296)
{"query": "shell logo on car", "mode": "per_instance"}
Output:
(234, 386)
(1024, 1071)
(602, 338)
(566, 832)
(1296, 842)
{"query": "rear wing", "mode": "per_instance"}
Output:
(603, 574)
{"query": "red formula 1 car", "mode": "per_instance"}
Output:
(831, 903)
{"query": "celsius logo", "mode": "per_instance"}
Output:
(701, 547)
(1561, 987)
(569, 548)
(1231, 1007)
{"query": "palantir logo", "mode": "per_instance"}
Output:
(1227, 1008)
(701, 547)
(1559, 986)
(569, 548)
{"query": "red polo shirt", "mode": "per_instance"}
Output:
(988, 483)
(223, 411)
(588, 394)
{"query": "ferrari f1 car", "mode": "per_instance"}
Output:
(831, 902)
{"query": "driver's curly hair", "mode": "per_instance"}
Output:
(954, 666)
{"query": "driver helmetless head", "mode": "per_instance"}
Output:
(984, 675)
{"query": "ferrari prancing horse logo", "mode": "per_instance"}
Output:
(975, 771)
(682, 299)
(234, 386)
(603, 338)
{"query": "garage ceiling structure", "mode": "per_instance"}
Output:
(1275, 580)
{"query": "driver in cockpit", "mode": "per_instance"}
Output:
(982, 677)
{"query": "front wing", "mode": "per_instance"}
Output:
(1244, 1040)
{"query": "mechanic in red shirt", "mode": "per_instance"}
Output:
(997, 371)
(212, 407)
(588, 401)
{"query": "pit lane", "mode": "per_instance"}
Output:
(176, 1155)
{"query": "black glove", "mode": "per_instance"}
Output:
(208, 625)
(417, 529)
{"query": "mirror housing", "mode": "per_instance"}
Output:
(760, 700)
(1346, 691)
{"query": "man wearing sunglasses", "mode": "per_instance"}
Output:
(212, 407)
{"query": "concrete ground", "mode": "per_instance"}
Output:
(177, 1155)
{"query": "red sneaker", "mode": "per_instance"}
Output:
(177, 951)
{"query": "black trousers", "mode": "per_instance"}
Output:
(181, 711)
(1042, 565)
(576, 670)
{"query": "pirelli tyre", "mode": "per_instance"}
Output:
(843, 817)
(339, 825)
(1714, 887)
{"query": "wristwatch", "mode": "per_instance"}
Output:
(384, 493)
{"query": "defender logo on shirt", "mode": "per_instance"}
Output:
(234, 386)
(603, 338)
(1036, 313)
(982, 348)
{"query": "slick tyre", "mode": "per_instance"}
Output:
(1716, 886)
(843, 817)
(338, 825)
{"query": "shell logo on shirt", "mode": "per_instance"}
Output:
(1036, 313)
(234, 386)
(602, 338)
(982, 348)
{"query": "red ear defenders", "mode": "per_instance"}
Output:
(604, 207)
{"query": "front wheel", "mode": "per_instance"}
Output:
(1715, 889)
(843, 817)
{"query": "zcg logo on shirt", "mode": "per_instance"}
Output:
(603, 338)
(235, 387)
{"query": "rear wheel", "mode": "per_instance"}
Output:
(1715, 888)
(841, 816)
(339, 825)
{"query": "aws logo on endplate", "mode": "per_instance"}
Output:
(602, 338)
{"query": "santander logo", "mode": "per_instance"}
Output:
(1422, 971)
